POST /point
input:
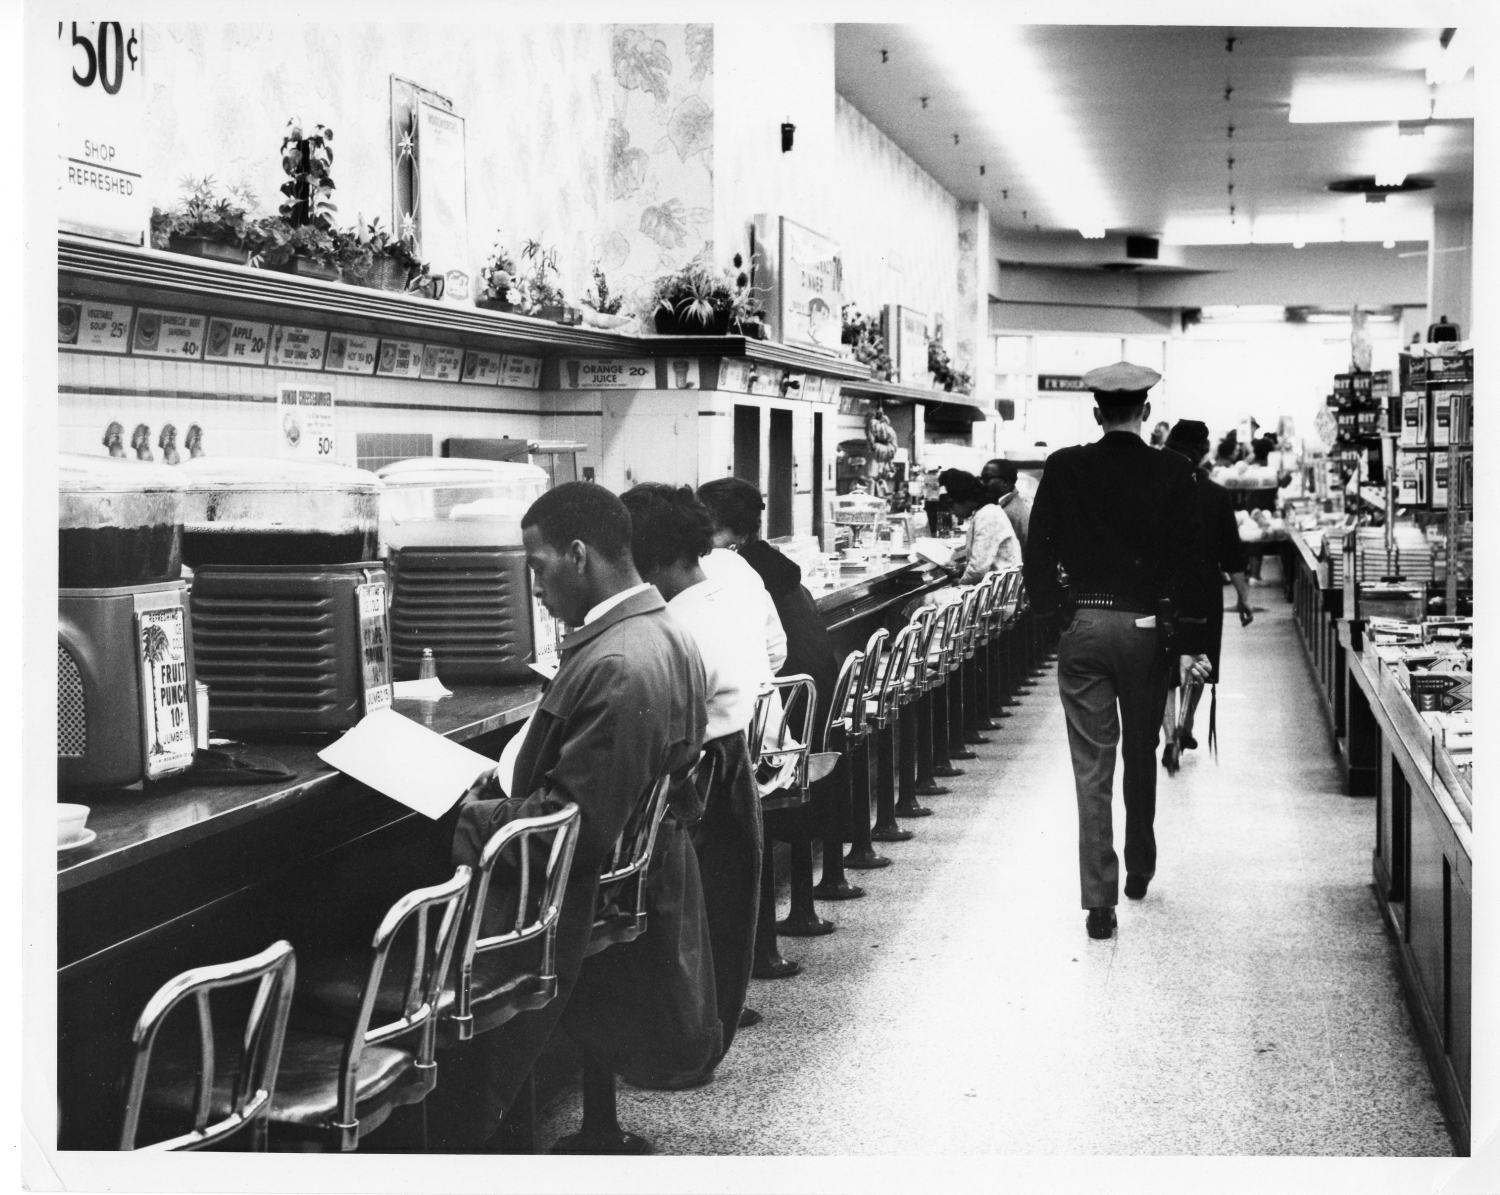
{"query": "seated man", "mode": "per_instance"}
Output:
(627, 706)
(1003, 481)
(671, 533)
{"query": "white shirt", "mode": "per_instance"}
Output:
(610, 603)
(725, 623)
(992, 543)
(729, 567)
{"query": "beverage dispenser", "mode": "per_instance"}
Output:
(290, 627)
(452, 528)
(126, 707)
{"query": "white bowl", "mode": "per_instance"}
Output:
(70, 821)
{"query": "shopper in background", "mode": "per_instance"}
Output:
(1122, 521)
(671, 534)
(991, 539)
(1002, 479)
(1222, 553)
(627, 706)
(1159, 434)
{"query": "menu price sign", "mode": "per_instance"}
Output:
(374, 656)
(400, 359)
(521, 373)
(442, 363)
(483, 369)
(734, 374)
(165, 692)
(766, 380)
(238, 342)
(298, 348)
(304, 422)
(609, 373)
(352, 354)
(98, 327)
(100, 134)
(168, 334)
(682, 374)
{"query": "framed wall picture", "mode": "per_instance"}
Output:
(908, 344)
(812, 282)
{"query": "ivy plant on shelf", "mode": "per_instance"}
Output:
(944, 375)
(601, 307)
(540, 290)
(699, 300)
(370, 255)
(208, 224)
(302, 238)
(866, 340)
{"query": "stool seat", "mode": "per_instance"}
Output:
(307, 1082)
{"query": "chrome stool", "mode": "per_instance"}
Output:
(862, 856)
(984, 624)
(273, 971)
(881, 713)
(906, 661)
(939, 650)
(834, 737)
(997, 695)
(957, 645)
(926, 785)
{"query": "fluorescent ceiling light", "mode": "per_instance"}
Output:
(1254, 313)
(1323, 101)
(1401, 218)
(1007, 87)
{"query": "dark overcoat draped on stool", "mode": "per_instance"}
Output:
(626, 706)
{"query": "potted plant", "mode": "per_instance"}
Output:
(698, 300)
(942, 370)
(370, 256)
(206, 224)
(497, 277)
(866, 341)
(301, 238)
(601, 308)
(541, 294)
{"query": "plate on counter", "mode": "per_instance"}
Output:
(73, 844)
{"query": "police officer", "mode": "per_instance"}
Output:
(1122, 522)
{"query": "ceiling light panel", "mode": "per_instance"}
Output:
(1009, 90)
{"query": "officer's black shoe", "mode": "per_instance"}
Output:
(1189, 743)
(1101, 923)
(748, 1017)
(1135, 887)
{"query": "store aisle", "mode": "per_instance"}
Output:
(1250, 1005)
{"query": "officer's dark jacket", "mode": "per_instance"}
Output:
(1122, 519)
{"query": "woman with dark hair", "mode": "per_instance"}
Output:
(992, 541)
(671, 532)
(1222, 553)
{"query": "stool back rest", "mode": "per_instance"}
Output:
(991, 608)
(963, 620)
(893, 685)
(627, 864)
(790, 736)
(867, 680)
(838, 708)
(1005, 582)
(1013, 592)
(983, 593)
(557, 833)
(942, 642)
(429, 972)
(925, 619)
(274, 972)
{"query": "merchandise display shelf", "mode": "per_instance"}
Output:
(892, 392)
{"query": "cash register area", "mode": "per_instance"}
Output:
(1249, 1005)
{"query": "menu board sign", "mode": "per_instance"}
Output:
(298, 348)
(811, 288)
(237, 341)
(98, 327)
(400, 359)
(100, 134)
(374, 654)
(304, 422)
(682, 374)
(521, 373)
(734, 374)
(165, 692)
(766, 380)
(442, 363)
(352, 354)
(911, 346)
(794, 385)
(483, 369)
(609, 373)
(168, 334)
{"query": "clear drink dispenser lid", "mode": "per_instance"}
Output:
(456, 501)
(274, 474)
(83, 473)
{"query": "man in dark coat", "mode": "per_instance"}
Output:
(625, 708)
(1122, 522)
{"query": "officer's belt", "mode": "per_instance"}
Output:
(1106, 601)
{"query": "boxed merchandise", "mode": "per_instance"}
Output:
(1380, 384)
(1439, 690)
(1437, 491)
(1342, 390)
(1453, 730)
(1368, 420)
(1388, 600)
(1462, 419)
(1442, 418)
(1412, 479)
(1415, 370)
(1414, 419)
(1359, 387)
(1451, 368)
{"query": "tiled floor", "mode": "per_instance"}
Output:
(1249, 1005)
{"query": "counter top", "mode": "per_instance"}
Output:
(134, 826)
(893, 391)
(855, 591)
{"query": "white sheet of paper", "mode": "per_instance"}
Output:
(406, 761)
(934, 550)
(430, 689)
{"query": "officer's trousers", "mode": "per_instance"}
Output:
(1105, 659)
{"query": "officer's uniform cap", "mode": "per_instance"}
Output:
(1121, 382)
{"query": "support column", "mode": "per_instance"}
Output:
(971, 323)
(1450, 268)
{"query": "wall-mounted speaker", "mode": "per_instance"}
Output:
(1146, 247)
